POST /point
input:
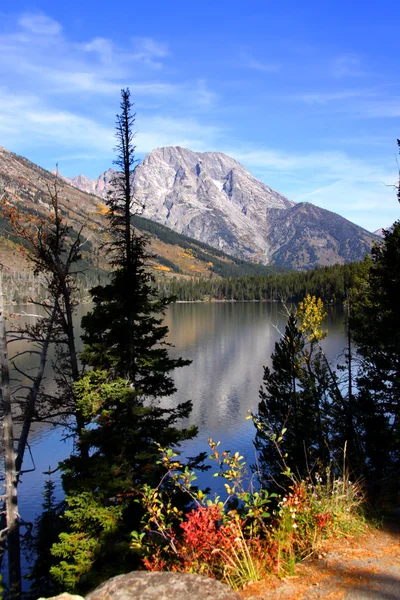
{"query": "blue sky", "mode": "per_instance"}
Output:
(305, 94)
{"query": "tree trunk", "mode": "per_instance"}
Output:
(14, 555)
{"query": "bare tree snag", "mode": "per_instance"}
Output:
(12, 524)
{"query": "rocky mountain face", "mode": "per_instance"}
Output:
(212, 198)
(29, 187)
(97, 187)
(306, 235)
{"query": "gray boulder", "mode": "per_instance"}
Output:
(142, 585)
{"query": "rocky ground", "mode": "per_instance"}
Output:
(363, 568)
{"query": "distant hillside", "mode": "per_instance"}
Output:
(217, 262)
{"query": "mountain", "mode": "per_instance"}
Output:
(212, 198)
(28, 186)
(97, 187)
(379, 232)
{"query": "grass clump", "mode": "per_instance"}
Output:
(313, 511)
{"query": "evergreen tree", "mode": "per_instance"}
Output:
(376, 331)
(130, 370)
(280, 401)
(290, 401)
(303, 415)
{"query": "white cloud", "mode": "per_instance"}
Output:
(264, 67)
(202, 94)
(57, 94)
(28, 120)
(381, 108)
(39, 24)
(337, 165)
(368, 203)
(68, 82)
(48, 65)
(359, 190)
(25, 118)
(371, 103)
(151, 48)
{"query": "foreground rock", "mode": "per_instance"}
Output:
(142, 585)
(64, 596)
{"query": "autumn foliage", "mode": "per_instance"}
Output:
(250, 535)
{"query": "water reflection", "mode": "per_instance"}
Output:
(229, 344)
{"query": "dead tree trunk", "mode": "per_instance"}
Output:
(12, 525)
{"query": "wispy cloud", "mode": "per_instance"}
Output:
(202, 93)
(58, 98)
(96, 65)
(150, 51)
(156, 132)
(385, 108)
(102, 47)
(256, 65)
(357, 189)
(334, 96)
(348, 65)
(59, 76)
(359, 103)
(335, 165)
(39, 24)
(249, 62)
(29, 119)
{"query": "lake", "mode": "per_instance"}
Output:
(228, 344)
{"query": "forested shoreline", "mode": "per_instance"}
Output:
(330, 283)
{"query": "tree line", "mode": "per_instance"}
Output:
(330, 283)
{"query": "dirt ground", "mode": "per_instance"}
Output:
(363, 568)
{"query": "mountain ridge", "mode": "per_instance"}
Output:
(211, 197)
(28, 186)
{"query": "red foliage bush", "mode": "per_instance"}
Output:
(323, 519)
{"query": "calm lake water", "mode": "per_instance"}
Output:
(228, 345)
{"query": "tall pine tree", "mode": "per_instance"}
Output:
(130, 370)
